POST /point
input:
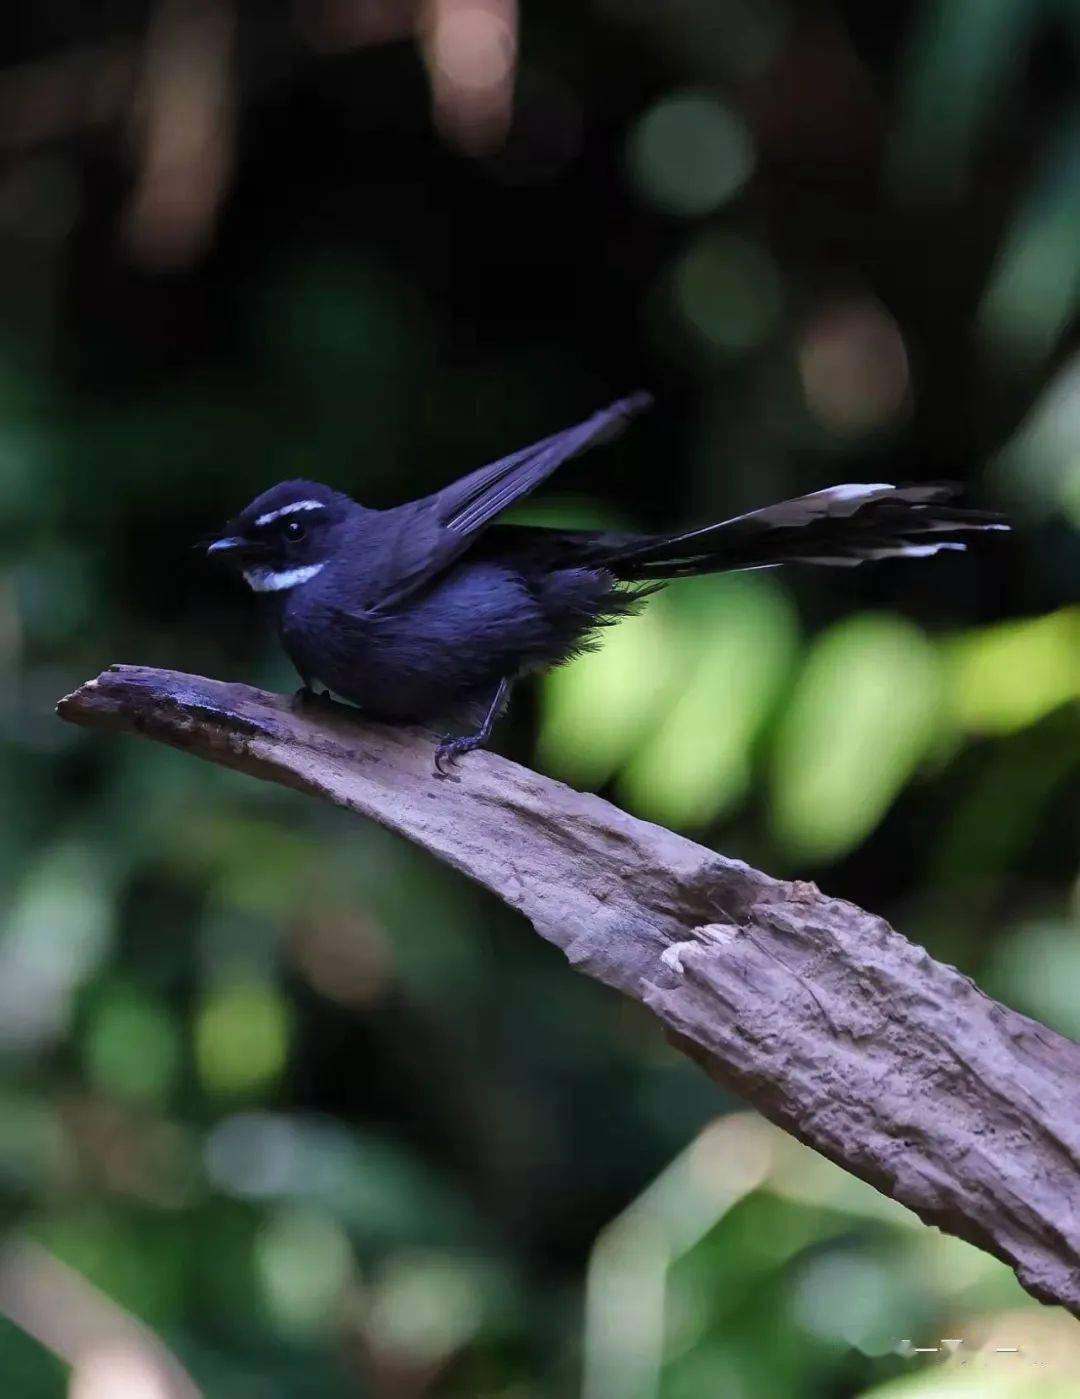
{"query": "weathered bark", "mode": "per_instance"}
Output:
(833, 1025)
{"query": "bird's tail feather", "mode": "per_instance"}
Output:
(842, 525)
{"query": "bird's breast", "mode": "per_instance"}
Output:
(451, 643)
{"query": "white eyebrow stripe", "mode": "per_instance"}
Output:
(294, 508)
(267, 580)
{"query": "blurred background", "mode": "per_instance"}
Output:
(287, 1109)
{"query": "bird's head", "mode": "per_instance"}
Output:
(285, 536)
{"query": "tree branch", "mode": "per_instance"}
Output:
(834, 1026)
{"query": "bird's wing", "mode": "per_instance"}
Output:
(430, 534)
(474, 500)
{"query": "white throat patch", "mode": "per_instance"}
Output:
(269, 580)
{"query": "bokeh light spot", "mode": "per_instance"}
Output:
(727, 292)
(132, 1047)
(688, 154)
(696, 764)
(58, 931)
(304, 1262)
(1005, 677)
(475, 46)
(424, 1305)
(864, 712)
(595, 710)
(471, 51)
(850, 1298)
(854, 367)
(241, 1038)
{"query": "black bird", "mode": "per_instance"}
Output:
(430, 610)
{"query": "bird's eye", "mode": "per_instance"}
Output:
(294, 530)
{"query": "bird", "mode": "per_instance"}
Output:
(433, 609)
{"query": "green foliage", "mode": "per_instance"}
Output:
(862, 716)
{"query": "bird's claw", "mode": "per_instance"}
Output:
(450, 749)
(308, 695)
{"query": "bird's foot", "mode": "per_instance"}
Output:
(307, 697)
(451, 749)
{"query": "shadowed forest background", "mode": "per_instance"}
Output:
(278, 1093)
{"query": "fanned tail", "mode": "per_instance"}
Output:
(839, 526)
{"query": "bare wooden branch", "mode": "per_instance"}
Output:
(833, 1025)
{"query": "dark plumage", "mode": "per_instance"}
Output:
(423, 610)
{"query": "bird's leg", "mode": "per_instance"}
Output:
(307, 693)
(450, 749)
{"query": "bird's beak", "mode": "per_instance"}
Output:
(230, 545)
